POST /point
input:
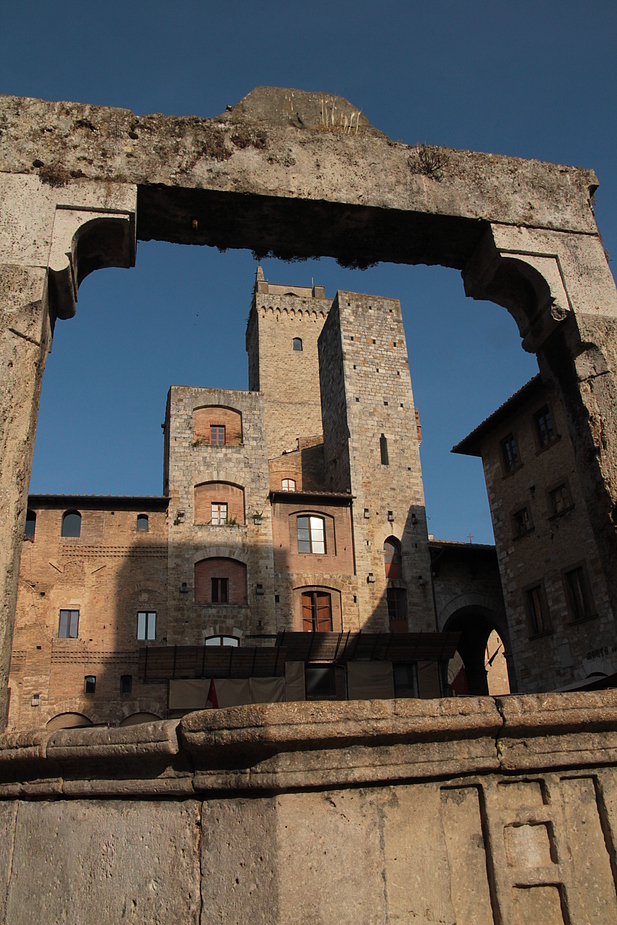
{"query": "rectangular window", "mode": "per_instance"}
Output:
(509, 453)
(146, 625)
(544, 426)
(522, 522)
(89, 684)
(397, 609)
(220, 590)
(219, 513)
(69, 624)
(217, 434)
(560, 499)
(311, 535)
(316, 612)
(289, 485)
(579, 595)
(126, 683)
(383, 449)
(537, 610)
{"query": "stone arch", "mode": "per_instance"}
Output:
(68, 721)
(206, 416)
(134, 719)
(475, 617)
(216, 492)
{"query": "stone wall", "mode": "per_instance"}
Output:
(569, 649)
(367, 400)
(192, 463)
(477, 811)
(288, 379)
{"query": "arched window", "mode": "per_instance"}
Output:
(312, 535)
(231, 641)
(316, 612)
(383, 446)
(392, 557)
(71, 523)
(297, 343)
(30, 527)
(289, 484)
(220, 580)
(142, 523)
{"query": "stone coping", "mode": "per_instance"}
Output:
(314, 744)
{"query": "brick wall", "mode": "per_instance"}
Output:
(218, 493)
(204, 418)
(108, 574)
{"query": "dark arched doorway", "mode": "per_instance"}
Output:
(478, 660)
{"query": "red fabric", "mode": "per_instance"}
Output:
(212, 698)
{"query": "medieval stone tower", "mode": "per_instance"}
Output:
(371, 449)
(281, 341)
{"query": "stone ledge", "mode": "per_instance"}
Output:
(275, 747)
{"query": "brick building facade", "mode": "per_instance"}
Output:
(292, 519)
(561, 625)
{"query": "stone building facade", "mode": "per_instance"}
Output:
(561, 625)
(295, 507)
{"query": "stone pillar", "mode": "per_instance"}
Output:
(560, 291)
(51, 236)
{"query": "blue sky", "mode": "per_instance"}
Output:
(533, 79)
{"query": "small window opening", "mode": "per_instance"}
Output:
(509, 453)
(544, 426)
(126, 683)
(89, 684)
(289, 484)
(383, 446)
(71, 524)
(297, 342)
(142, 523)
(220, 590)
(30, 527)
(537, 610)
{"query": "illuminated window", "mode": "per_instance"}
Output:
(219, 513)
(146, 625)
(289, 484)
(311, 535)
(217, 434)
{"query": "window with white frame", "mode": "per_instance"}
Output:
(311, 535)
(146, 625)
(69, 624)
(289, 484)
(219, 513)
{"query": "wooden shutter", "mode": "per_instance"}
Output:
(324, 613)
(307, 613)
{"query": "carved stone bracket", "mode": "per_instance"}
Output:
(83, 240)
(508, 269)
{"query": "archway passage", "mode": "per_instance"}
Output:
(476, 671)
(521, 232)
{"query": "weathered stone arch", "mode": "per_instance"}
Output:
(522, 233)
